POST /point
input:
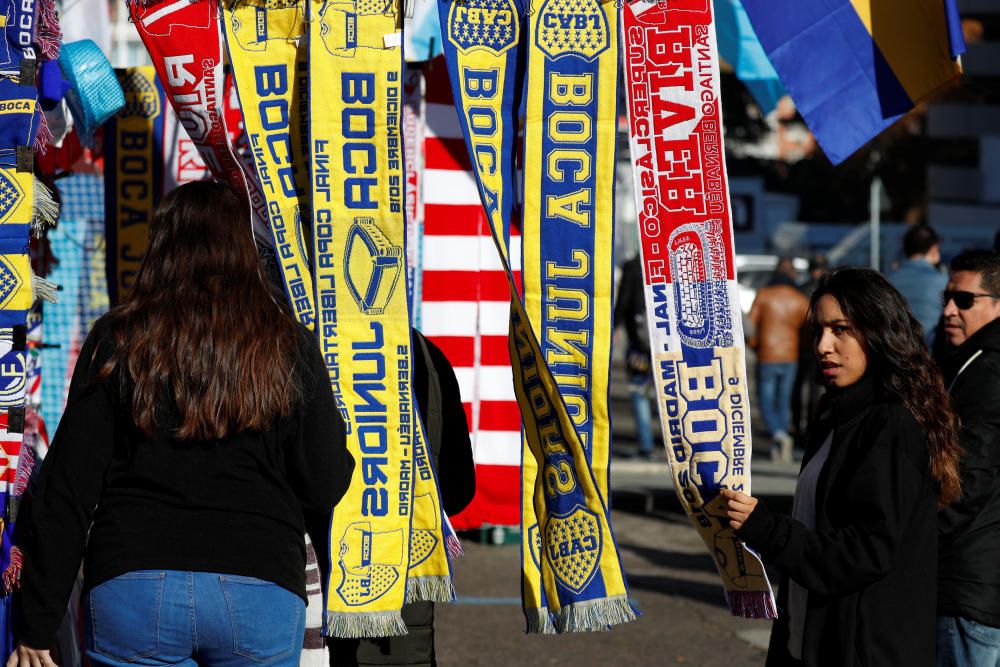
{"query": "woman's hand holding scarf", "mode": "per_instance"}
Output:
(739, 506)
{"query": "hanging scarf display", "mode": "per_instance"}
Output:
(692, 303)
(387, 536)
(568, 223)
(572, 577)
(184, 41)
(266, 45)
(133, 175)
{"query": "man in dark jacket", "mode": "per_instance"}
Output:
(435, 388)
(969, 562)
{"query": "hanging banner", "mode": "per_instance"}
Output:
(568, 226)
(580, 584)
(267, 47)
(184, 41)
(692, 299)
(133, 176)
(387, 536)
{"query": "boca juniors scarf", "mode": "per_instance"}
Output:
(685, 224)
(387, 541)
(266, 45)
(572, 578)
(133, 176)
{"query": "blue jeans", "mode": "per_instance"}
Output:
(638, 390)
(187, 619)
(774, 388)
(965, 643)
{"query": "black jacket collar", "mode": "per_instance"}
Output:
(987, 338)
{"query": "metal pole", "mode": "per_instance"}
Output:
(875, 213)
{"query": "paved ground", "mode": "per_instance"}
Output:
(673, 582)
(671, 576)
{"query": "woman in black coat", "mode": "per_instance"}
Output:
(859, 553)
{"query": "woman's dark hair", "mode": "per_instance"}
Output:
(898, 360)
(202, 347)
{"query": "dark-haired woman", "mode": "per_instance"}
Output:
(200, 425)
(860, 550)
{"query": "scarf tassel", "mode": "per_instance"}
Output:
(453, 546)
(594, 615)
(357, 625)
(48, 36)
(540, 622)
(752, 604)
(12, 575)
(46, 210)
(43, 289)
(429, 589)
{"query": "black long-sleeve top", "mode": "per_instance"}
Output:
(870, 563)
(233, 506)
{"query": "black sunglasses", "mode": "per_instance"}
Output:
(963, 300)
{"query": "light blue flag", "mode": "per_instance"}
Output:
(738, 45)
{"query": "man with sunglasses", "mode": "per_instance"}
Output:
(969, 530)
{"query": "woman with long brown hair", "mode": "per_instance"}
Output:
(200, 425)
(859, 552)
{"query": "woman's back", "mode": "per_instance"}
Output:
(187, 445)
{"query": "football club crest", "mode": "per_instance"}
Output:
(10, 195)
(12, 379)
(490, 25)
(370, 563)
(10, 281)
(373, 266)
(572, 27)
(423, 541)
(141, 97)
(573, 547)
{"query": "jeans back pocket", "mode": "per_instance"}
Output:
(125, 615)
(267, 620)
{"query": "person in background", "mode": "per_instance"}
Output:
(199, 430)
(776, 316)
(918, 279)
(859, 553)
(969, 566)
(805, 396)
(437, 393)
(630, 312)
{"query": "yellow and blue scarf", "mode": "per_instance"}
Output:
(133, 175)
(266, 42)
(572, 578)
(692, 301)
(387, 539)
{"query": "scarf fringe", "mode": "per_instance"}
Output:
(594, 615)
(752, 604)
(46, 210)
(453, 546)
(539, 621)
(48, 36)
(12, 575)
(43, 289)
(369, 624)
(43, 137)
(429, 589)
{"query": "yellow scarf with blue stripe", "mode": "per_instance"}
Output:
(560, 336)
(267, 48)
(387, 536)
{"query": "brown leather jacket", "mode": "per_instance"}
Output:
(777, 315)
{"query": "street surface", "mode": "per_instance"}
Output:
(672, 580)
